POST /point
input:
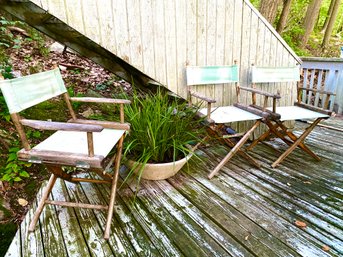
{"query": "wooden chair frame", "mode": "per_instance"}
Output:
(55, 160)
(280, 130)
(215, 129)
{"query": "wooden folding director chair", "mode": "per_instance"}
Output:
(218, 116)
(78, 143)
(312, 103)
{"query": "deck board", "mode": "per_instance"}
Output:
(243, 211)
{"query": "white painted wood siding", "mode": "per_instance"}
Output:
(161, 37)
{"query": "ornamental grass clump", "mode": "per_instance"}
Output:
(162, 129)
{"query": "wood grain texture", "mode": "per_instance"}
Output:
(244, 211)
(160, 38)
(64, 126)
(100, 100)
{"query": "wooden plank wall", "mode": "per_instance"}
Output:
(327, 74)
(161, 37)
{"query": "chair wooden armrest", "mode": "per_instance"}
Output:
(51, 125)
(317, 91)
(313, 108)
(260, 92)
(105, 124)
(260, 112)
(207, 99)
(100, 100)
(273, 115)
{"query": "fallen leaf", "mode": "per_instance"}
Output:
(325, 248)
(246, 238)
(300, 224)
(22, 202)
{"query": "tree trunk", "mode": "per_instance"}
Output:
(328, 15)
(268, 9)
(284, 15)
(310, 20)
(331, 23)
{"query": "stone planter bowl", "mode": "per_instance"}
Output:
(159, 171)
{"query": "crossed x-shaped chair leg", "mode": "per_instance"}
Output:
(281, 131)
(236, 149)
(57, 172)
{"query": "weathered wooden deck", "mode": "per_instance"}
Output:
(242, 212)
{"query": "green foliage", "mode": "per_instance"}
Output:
(39, 41)
(161, 129)
(4, 113)
(6, 72)
(106, 84)
(71, 92)
(33, 133)
(294, 29)
(14, 170)
(7, 38)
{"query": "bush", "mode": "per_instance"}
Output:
(161, 128)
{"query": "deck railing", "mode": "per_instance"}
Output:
(327, 74)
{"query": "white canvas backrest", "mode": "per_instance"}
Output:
(274, 74)
(206, 75)
(22, 93)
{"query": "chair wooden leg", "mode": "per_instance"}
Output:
(234, 149)
(113, 189)
(296, 143)
(232, 144)
(301, 144)
(259, 139)
(41, 204)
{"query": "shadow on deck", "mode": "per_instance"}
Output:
(243, 211)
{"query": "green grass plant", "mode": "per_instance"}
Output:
(162, 129)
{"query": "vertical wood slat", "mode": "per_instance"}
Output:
(91, 20)
(244, 52)
(161, 37)
(181, 45)
(147, 27)
(171, 51)
(135, 33)
(90, 144)
(107, 26)
(74, 14)
(159, 41)
(211, 38)
(201, 39)
(228, 90)
(319, 87)
(121, 32)
(326, 83)
(220, 44)
(334, 85)
(311, 85)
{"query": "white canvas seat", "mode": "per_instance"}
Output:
(211, 75)
(227, 114)
(77, 142)
(313, 102)
(297, 113)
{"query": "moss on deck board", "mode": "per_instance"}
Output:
(243, 211)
